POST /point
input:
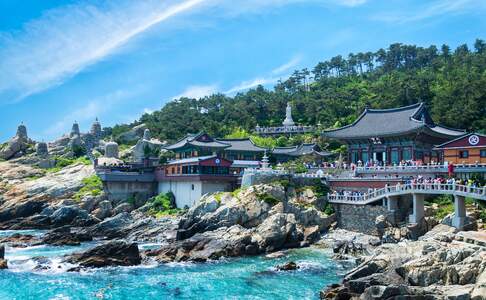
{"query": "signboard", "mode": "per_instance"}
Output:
(473, 140)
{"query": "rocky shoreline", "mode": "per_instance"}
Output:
(262, 219)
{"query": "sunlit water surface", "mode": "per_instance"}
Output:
(240, 278)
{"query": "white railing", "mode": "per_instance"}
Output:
(421, 188)
(428, 167)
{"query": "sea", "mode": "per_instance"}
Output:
(28, 276)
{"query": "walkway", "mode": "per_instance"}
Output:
(416, 188)
(392, 194)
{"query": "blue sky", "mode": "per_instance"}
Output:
(67, 60)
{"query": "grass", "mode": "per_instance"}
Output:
(62, 162)
(218, 196)
(92, 186)
(445, 204)
(267, 198)
(161, 206)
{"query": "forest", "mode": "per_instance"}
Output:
(452, 82)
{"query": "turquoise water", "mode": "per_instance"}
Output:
(241, 278)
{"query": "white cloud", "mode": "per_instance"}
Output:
(294, 61)
(66, 40)
(92, 109)
(248, 84)
(432, 9)
(198, 91)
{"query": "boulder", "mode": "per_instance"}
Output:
(290, 266)
(63, 236)
(67, 214)
(114, 227)
(113, 253)
(3, 262)
(2, 251)
(104, 210)
(19, 240)
(123, 207)
(133, 134)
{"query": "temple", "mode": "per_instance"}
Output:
(389, 136)
(284, 154)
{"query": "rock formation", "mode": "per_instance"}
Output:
(41, 149)
(261, 219)
(19, 145)
(438, 266)
(114, 253)
(147, 147)
(3, 262)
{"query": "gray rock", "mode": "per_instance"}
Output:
(104, 210)
(124, 207)
(66, 215)
(2, 251)
(114, 227)
(113, 253)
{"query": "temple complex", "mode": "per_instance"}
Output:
(389, 136)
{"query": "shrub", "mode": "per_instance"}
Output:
(92, 186)
(162, 205)
(445, 204)
(267, 198)
(329, 209)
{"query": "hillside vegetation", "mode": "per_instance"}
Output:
(335, 92)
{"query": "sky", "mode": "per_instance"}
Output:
(74, 60)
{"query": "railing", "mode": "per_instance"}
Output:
(284, 129)
(421, 188)
(428, 167)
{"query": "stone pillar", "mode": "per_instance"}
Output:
(418, 208)
(459, 212)
(393, 208)
(392, 203)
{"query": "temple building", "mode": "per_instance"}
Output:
(191, 178)
(284, 154)
(388, 136)
(467, 149)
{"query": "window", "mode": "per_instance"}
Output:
(483, 153)
(464, 154)
(192, 187)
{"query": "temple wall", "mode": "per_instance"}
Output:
(359, 218)
(122, 190)
(188, 193)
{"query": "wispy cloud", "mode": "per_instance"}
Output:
(248, 84)
(430, 10)
(198, 91)
(92, 109)
(294, 61)
(66, 40)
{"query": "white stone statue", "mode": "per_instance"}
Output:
(288, 116)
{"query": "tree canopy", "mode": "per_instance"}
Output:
(335, 92)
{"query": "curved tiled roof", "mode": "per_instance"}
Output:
(389, 122)
(193, 139)
(244, 144)
(304, 149)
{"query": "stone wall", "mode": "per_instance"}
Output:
(359, 218)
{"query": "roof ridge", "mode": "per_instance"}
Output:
(402, 108)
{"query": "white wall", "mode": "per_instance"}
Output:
(189, 192)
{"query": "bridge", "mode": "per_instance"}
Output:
(418, 191)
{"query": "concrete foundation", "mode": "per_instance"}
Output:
(418, 209)
(459, 219)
